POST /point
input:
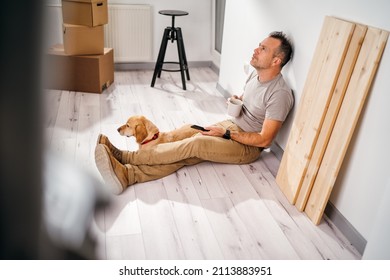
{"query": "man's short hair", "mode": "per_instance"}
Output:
(285, 48)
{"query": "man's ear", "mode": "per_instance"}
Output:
(277, 61)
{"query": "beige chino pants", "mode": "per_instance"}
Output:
(166, 158)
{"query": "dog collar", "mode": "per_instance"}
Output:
(154, 138)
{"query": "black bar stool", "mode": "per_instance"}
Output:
(174, 34)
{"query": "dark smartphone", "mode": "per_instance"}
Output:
(199, 127)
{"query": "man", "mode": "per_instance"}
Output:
(267, 101)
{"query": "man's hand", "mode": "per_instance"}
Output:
(214, 131)
(233, 97)
(258, 139)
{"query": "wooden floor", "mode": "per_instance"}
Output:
(206, 211)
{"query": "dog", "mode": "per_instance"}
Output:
(147, 134)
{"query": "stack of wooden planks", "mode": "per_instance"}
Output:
(344, 64)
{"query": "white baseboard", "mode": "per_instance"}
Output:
(353, 236)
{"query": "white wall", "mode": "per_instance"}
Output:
(378, 247)
(196, 27)
(362, 180)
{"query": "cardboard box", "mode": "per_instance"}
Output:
(85, 12)
(83, 40)
(90, 73)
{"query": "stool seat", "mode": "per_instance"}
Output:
(173, 13)
(172, 34)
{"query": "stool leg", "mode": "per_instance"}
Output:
(181, 59)
(161, 56)
(181, 41)
(169, 36)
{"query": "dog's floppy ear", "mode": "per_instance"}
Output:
(140, 133)
(151, 128)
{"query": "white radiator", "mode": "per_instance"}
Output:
(129, 32)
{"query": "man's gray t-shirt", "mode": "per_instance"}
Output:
(271, 100)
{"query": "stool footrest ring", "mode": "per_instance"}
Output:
(185, 67)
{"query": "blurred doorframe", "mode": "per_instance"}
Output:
(218, 18)
(21, 130)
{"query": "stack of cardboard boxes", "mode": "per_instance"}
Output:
(81, 63)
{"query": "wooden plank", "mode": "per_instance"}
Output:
(158, 226)
(64, 136)
(51, 100)
(233, 237)
(121, 216)
(331, 114)
(125, 247)
(88, 130)
(261, 182)
(195, 232)
(206, 181)
(328, 242)
(323, 73)
(354, 99)
(272, 243)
